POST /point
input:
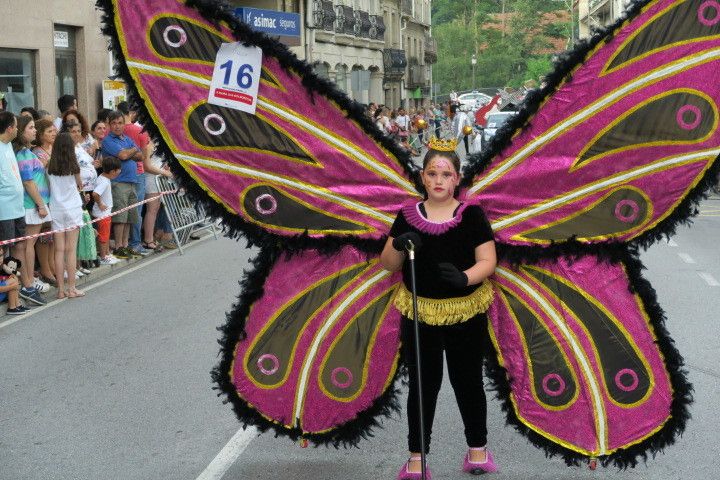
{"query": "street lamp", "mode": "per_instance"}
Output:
(473, 61)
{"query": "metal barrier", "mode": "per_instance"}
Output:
(185, 218)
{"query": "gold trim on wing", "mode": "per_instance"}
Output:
(270, 321)
(243, 194)
(518, 413)
(186, 125)
(280, 180)
(577, 164)
(371, 345)
(618, 179)
(600, 416)
(590, 298)
(648, 215)
(528, 358)
(606, 71)
(675, 68)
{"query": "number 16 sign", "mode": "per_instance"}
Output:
(236, 77)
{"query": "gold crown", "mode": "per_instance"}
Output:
(443, 145)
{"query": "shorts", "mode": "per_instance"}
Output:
(150, 184)
(14, 228)
(103, 228)
(63, 219)
(32, 217)
(124, 195)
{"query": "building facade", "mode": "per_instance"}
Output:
(54, 50)
(594, 14)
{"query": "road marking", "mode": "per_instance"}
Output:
(686, 258)
(672, 243)
(709, 279)
(100, 283)
(229, 454)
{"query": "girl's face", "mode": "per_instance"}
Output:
(28, 135)
(47, 136)
(100, 131)
(440, 179)
(76, 133)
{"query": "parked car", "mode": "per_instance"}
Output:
(494, 122)
(473, 100)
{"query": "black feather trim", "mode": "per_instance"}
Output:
(682, 389)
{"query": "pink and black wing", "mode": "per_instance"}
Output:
(619, 148)
(584, 363)
(311, 347)
(612, 154)
(307, 163)
(316, 354)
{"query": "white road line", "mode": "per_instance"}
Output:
(672, 243)
(686, 258)
(229, 454)
(93, 286)
(709, 279)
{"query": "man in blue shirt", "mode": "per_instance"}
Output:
(119, 145)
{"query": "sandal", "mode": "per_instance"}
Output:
(153, 246)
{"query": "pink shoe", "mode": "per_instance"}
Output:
(478, 468)
(405, 474)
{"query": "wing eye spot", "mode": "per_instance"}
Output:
(624, 374)
(340, 372)
(178, 32)
(266, 204)
(263, 361)
(703, 10)
(217, 119)
(627, 211)
(695, 114)
(553, 384)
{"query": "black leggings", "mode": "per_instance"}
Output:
(464, 345)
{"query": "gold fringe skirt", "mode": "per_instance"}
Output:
(445, 311)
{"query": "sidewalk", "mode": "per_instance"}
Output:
(102, 272)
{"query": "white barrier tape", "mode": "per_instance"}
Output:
(43, 234)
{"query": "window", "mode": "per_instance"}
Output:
(65, 61)
(17, 78)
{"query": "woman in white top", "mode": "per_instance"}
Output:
(88, 174)
(66, 211)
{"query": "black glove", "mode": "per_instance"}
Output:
(450, 274)
(402, 242)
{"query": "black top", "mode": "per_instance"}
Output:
(456, 245)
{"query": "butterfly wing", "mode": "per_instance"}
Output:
(625, 145)
(307, 162)
(586, 359)
(319, 351)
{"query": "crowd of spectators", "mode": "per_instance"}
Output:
(58, 173)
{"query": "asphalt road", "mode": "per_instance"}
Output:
(117, 386)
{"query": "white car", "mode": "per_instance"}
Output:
(494, 122)
(473, 100)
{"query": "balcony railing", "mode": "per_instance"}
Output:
(395, 62)
(430, 50)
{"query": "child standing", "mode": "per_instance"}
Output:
(66, 211)
(102, 194)
(455, 254)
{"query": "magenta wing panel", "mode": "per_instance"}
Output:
(298, 140)
(322, 343)
(615, 150)
(581, 355)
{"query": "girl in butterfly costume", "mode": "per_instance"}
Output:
(455, 256)
(609, 156)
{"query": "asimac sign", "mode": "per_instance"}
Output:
(282, 25)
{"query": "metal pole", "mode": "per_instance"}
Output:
(411, 255)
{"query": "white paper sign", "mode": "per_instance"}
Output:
(236, 77)
(61, 39)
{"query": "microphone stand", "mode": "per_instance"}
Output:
(411, 256)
